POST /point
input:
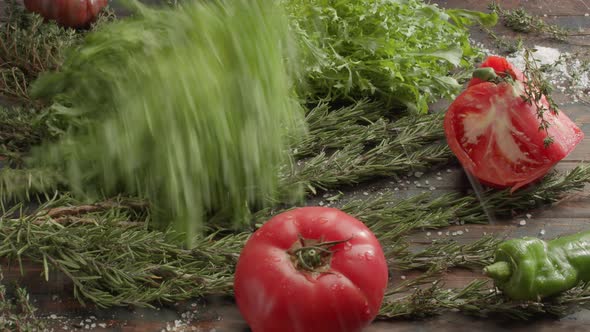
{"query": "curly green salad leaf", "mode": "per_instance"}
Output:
(398, 51)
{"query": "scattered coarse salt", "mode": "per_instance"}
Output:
(93, 325)
(439, 233)
(529, 216)
(454, 233)
(427, 233)
(88, 320)
(466, 230)
(53, 316)
(437, 173)
(87, 327)
(439, 178)
(485, 233)
(396, 189)
(426, 182)
(366, 193)
(432, 188)
(522, 222)
(586, 14)
(321, 203)
(542, 232)
(408, 182)
(459, 232)
(102, 325)
(448, 170)
(418, 174)
(403, 277)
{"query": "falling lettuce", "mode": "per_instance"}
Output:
(191, 108)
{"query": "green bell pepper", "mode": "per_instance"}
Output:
(531, 269)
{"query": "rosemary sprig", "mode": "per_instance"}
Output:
(352, 164)
(111, 265)
(480, 299)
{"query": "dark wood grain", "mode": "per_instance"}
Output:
(214, 314)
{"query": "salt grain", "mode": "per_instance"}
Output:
(432, 188)
(396, 189)
(529, 216)
(102, 325)
(586, 14)
(366, 193)
(403, 277)
(522, 222)
(542, 232)
(321, 203)
(439, 178)
(53, 316)
(439, 233)
(459, 232)
(418, 174)
(448, 170)
(427, 233)
(426, 182)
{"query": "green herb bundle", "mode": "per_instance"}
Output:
(190, 108)
(400, 52)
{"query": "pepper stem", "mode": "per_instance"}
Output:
(498, 271)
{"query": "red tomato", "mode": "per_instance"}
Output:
(340, 290)
(495, 133)
(68, 13)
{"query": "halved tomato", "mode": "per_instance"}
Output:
(495, 133)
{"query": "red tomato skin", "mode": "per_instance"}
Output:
(484, 159)
(274, 296)
(67, 13)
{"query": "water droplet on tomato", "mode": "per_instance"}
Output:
(334, 287)
(347, 246)
(276, 259)
(369, 256)
(322, 220)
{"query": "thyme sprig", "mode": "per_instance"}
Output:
(17, 313)
(519, 20)
(537, 92)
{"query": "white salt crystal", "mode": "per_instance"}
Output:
(522, 222)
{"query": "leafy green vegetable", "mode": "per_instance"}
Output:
(190, 108)
(400, 52)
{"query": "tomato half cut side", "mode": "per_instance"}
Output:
(495, 135)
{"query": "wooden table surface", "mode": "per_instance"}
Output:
(64, 313)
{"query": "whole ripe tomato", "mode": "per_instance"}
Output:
(68, 13)
(496, 134)
(309, 270)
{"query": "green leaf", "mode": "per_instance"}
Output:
(465, 17)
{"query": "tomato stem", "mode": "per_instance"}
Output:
(313, 255)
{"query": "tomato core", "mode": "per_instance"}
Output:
(312, 255)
